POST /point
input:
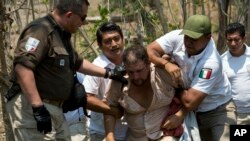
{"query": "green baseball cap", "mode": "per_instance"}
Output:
(196, 26)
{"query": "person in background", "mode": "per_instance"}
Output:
(77, 121)
(110, 41)
(208, 90)
(43, 73)
(236, 64)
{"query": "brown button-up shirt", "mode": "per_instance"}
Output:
(42, 48)
(144, 124)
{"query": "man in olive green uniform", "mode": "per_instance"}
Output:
(44, 66)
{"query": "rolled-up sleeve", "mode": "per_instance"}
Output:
(32, 46)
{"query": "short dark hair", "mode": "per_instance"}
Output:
(105, 27)
(71, 5)
(236, 27)
(135, 53)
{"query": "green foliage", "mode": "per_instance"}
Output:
(103, 11)
(104, 14)
(149, 21)
(196, 2)
(90, 56)
(45, 1)
(173, 26)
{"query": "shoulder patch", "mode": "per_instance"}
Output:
(31, 44)
(205, 73)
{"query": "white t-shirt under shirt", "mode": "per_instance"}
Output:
(202, 72)
(238, 72)
(98, 86)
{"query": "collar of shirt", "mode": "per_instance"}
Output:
(198, 56)
(247, 52)
(62, 32)
(228, 54)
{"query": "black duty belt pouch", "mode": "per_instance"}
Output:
(77, 98)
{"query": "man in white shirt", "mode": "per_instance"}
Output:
(208, 90)
(236, 64)
(110, 41)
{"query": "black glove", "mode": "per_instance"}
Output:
(43, 119)
(117, 74)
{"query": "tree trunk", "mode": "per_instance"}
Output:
(247, 19)
(184, 10)
(5, 128)
(148, 26)
(17, 16)
(139, 29)
(203, 7)
(223, 8)
(32, 9)
(163, 19)
(194, 7)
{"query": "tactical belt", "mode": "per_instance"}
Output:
(58, 103)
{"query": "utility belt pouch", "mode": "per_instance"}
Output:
(77, 99)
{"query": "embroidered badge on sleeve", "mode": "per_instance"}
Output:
(205, 73)
(31, 44)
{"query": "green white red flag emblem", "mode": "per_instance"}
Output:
(205, 73)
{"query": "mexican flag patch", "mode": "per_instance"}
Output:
(205, 73)
(31, 44)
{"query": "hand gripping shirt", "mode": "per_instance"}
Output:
(238, 72)
(144, 124)
(202, 72)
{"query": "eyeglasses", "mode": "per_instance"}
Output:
(83, 18)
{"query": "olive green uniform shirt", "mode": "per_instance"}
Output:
(46, 49)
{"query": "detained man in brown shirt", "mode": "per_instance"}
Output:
(145, 99)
